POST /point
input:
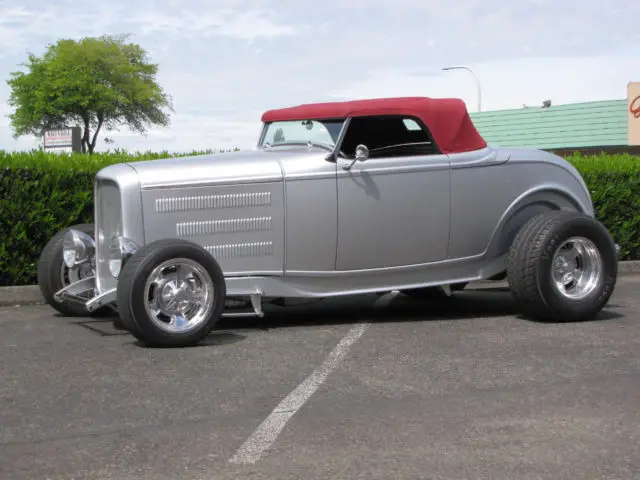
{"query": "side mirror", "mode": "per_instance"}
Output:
(362, 153)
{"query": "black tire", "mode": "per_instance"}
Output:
(530, 273)
(433, 293)
(50, 265)
(131, 299)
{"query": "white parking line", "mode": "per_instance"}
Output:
(270, 428)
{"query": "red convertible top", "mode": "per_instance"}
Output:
(446, 118)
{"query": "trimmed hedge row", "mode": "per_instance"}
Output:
(41, 193)
(614, 185)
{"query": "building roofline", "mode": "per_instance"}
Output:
(589, 103)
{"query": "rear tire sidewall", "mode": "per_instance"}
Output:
(131, 294)
(584, 308)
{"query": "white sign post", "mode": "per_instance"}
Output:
(63, 140)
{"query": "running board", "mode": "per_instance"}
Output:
(256, 305)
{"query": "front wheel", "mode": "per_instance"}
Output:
(171, 293)
(562, 267)
(53, 274)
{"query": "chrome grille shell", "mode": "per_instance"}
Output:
(117, 211)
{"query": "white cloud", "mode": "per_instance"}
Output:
(245, 25)
(225, 62)
(196, 132)
(23, 28)
(507, 83)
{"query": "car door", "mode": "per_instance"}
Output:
(393, 207)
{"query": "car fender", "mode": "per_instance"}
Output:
(551, 196)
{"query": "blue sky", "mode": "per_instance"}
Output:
(227, 61)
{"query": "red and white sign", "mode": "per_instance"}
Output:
(58, 138)
(66, 139)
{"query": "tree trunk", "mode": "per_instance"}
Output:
(85, 135)
(92, 145)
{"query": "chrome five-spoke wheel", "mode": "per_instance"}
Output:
(171, 293)
(180, 295)
(562, 267)
(53, 274)
(77, 273)
(577, 268)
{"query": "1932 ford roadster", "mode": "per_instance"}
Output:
(338, 198)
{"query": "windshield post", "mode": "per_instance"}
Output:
(263, 132)
(343, 132)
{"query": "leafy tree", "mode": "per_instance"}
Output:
(96, 83)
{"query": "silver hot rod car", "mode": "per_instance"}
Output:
(341, 198)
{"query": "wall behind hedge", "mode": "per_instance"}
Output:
(43, 193)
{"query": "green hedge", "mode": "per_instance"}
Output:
(42, 193)
(614, 184)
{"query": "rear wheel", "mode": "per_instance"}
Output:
(171, 293)
(562, 267)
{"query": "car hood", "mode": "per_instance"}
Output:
(216, 169)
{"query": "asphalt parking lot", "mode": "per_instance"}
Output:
(405, 389)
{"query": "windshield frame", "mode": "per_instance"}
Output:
(332, 148)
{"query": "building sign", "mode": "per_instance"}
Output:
(63, 140)
(633, 113)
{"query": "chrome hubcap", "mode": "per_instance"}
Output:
(577, 268)
(180, 295)
(72, 275)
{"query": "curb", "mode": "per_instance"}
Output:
(21, 295)
(30, 294)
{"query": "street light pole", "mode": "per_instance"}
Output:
(462, 67)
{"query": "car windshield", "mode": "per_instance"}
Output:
(299, 132)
